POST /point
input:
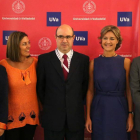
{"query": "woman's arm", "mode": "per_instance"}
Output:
(89, 97)
(127, 64)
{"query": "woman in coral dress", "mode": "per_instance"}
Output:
(23, 108)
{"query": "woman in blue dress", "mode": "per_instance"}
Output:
(109, 101)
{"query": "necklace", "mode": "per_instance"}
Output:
(111, 56)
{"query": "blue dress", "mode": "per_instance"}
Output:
(109, 106)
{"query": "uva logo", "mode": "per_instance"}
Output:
(80, 38)
(124, 19)
(53, 19)
(6, 37)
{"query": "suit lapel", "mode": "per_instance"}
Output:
(57, 64)
(73, 65)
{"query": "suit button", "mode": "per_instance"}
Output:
(67, 83)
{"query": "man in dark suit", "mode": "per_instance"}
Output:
(61, 86)
(135, 91)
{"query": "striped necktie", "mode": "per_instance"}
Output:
(65, 62)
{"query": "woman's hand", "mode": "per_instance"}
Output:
(88, 125)
(130, 124)
(1, 131)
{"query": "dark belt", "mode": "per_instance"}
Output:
(110, 93)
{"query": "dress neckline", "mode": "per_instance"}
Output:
(17, 68)
(109, 57)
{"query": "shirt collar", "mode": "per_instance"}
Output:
(68, 54)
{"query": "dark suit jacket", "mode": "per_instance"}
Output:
(3, 95)
(135, 89)
(62, 100)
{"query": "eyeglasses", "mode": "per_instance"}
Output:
(62, 37)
